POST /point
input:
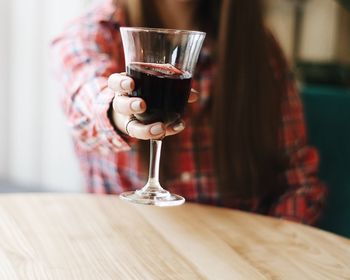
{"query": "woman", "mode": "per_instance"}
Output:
(244, 145)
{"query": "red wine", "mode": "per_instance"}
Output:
(164, 88)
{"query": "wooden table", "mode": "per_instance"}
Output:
(101, 237)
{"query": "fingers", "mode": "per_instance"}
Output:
(175, 128)
(145, 132)
(125, 106)
(121, 83)
(129, 105)
(153, 131)
(138, 130)
(193, 96)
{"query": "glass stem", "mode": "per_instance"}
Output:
(153, 175)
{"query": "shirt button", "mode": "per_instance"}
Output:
(185, 176)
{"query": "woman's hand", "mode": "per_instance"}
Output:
(125, 107)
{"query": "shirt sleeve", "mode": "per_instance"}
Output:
(305, 196)
(84, 56)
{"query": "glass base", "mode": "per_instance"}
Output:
(162, 198)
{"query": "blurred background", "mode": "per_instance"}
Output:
(35, 148)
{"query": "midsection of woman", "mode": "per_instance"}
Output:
(91, 50)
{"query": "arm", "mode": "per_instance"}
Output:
(305, 196)
(86, 54)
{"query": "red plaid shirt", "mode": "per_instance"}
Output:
(88, 51)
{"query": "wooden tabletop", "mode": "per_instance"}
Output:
(101, 237)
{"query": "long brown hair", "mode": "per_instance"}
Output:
(247, 104)
(246, 98)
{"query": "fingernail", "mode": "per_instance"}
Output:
(178, 127)
(126, 84)
(136, 105)
(157, 129)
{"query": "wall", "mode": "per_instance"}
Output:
(320, 30)
(35, 148)
(280, 19)
(325, 34)
(4, 87)
(343, 38)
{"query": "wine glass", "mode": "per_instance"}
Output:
(161, 62)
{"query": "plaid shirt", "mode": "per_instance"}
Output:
(88, 51)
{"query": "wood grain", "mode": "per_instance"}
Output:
(100, 237)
